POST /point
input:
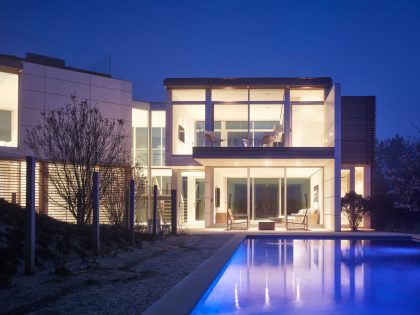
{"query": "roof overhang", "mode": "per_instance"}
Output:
(263, 156)
(320, 82)
(264, 162)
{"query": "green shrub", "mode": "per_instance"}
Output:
(355, 207)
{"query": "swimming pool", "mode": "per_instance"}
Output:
(268, 275)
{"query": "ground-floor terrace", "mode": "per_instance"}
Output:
(263, 190)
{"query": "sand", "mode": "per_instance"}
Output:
(125, 283)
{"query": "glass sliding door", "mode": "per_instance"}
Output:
(199, 197)
(267, 193)
(265, 198)
(237, 195)
(192, 201)
(298, 195)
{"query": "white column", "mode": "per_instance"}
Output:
(209, 213)
(337, 156)
(366, 193)
(352, 179)
(248, 194)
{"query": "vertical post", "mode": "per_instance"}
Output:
(287, 118)
(127, 208)
(285, 198)
(174, 216)
(30, 216)
(131, 209)
(208, 115)
(154, 210)
(95, 208)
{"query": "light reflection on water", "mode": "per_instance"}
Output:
(310, 276)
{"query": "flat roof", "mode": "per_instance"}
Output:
(46, 61)
(324, 82)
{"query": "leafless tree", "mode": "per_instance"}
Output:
(116, 198)
(76, 140)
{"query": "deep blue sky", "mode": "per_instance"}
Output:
(371, 47)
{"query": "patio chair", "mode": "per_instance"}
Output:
(268, 139)
(298, 221)
(212, 137)
(237, 220)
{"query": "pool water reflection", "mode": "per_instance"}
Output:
(312, 276)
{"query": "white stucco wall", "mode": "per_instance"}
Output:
(44, 88)
(332, 171)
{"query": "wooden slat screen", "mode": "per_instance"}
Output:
(358, 129)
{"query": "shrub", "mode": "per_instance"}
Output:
(355, 207)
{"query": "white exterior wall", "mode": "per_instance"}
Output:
(317, 179)
(44, 88)
(332, 171)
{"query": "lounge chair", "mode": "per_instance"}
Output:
(212, 137)
(298, 221)
(237, 220)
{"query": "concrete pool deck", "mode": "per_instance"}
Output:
(183, 297)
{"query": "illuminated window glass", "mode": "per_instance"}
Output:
(9, 90)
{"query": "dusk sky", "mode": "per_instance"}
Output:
(371, 47)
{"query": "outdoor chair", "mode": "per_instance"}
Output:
(212, 137)
(268, 139)
(240, 221)
(298, 221)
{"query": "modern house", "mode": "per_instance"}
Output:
(266, 147)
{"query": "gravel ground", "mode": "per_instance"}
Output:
(127, 283)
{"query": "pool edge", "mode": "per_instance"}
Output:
(182, 298)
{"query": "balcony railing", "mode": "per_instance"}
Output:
(240, 139)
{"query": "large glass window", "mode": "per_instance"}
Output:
(199, 199)
(266, 125)
(298, 194)
(233, 120)
(267, 196)
(188, 95)
(229, 95)
(237, 195)
(304, 190)
(308, 126)
(359, 184)
(162, 178)
(158, 138)
(9, 90)
(345, 182)
(192, 201)
(307, 95)
(140, 124)
(185, 120)
(266, 95)
(199, 133)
